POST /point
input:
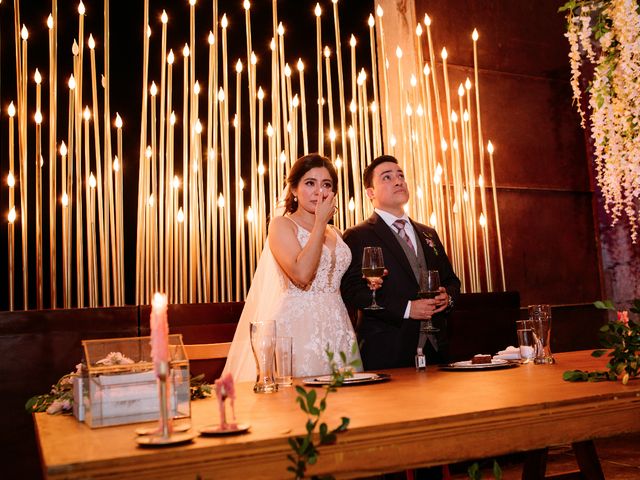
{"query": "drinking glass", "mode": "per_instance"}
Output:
(284, 361)
(540, 315)
(372, 267)
(429, 288)
(526, 340)
(263, 341)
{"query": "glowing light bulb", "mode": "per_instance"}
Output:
(269, 130)
(24, 33)
(87, 114)
(164, 18)
(327, 52)
(172, 118)
(433, 219)
(239, 66)
(392, 141)
(65, 199)
(72, 83)
(371, 21)
(154, 89)
(300, 65)
(426, 70)
(11, 180)
(116, 164)
(11, 110)
(50, 22)
(490, 147)
(398, 52)
(185, 50)
(482, 221)
(295, 102)
(81, 9)
(317, 10)
(171, 57)
(180, 215)
(211, 38)
(38, 117)
(419, 30)
(444, 53)
(246, 5)
(221, 95)
(224, 22)
(379, 11)
(198, 127)
(196, 88)
(474, 35)
(467, 84)
(92, 181)
(352, 41)
(427, 20)
(413, 81)
(63, 149)
(280, 29)
(338, 162)
(176, 182)
(91, 42)
(261, 169)
(480, 181)
(253, 58)
(250, 215)
(118, 120)
(12, 215)
(443, 145)
(352, 205)
(220, 201)
(260, 94)
(151, 200)
(460, 90)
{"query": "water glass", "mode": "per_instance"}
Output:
(263, 342)
(526, 340)
(540, 315)
(284, 361)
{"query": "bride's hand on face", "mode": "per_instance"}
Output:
(326, 207)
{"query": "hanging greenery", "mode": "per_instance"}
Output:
(606, 35)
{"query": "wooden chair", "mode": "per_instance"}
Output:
(207, 351)
(207, 358)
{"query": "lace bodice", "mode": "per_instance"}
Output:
(332, 265)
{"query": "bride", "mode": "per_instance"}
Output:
(297, 281)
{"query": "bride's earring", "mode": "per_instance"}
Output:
(295, 199)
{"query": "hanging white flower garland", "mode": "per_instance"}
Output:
(613, 26)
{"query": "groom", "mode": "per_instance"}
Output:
(391, 337)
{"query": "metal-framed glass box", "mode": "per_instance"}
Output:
(120, 385)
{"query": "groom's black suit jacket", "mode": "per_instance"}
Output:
(388, 340)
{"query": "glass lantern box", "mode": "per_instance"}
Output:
(119, 385)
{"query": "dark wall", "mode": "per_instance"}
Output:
(542, 175)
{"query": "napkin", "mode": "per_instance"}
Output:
(509, 353)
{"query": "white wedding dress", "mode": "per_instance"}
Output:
(316, 317)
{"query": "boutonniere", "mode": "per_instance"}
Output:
(429, 239)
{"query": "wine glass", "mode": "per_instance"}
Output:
(429, 288)
(372, 267)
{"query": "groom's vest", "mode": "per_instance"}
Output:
(418, 261)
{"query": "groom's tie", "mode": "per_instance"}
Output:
(400, 225)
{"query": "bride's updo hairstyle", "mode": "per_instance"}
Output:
(299, 169)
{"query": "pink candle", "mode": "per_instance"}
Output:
(159, 330)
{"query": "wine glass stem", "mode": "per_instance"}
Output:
(373, 295)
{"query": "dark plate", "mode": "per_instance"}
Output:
(360, 379)
(467, 366)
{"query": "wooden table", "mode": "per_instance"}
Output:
(416, 419)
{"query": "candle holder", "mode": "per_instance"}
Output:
(164, 434)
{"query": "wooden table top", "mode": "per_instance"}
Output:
(415, 419)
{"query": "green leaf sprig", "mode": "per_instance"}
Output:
(305, 450)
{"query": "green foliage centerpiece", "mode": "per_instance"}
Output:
(622, 338)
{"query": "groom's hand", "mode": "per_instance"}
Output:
(422, 308)
(442, 300)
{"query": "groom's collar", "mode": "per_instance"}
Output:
(389, 218)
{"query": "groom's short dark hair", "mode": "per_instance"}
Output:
(367, 176)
